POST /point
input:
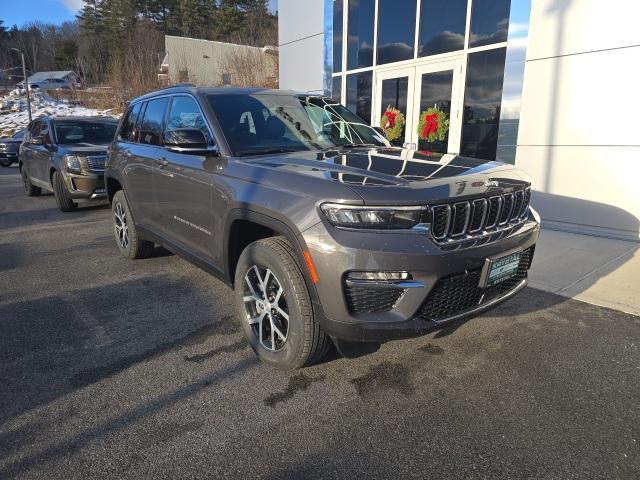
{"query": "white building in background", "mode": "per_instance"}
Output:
(550, 85)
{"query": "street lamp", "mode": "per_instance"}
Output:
(26, 82)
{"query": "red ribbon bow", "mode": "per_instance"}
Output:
(391, 119)
(430, 124)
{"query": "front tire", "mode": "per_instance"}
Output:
(127, 238)
(274, 307)
(30, 189)
(60, 192)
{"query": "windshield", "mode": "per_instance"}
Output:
(70, 132)
(19, 134)
(270, 123)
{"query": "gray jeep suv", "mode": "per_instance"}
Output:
(325, 232)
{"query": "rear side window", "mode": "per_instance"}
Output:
(185, 113)
(128, 129)
(151, 126)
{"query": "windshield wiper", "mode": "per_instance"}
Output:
(267, 151)
(353, 145)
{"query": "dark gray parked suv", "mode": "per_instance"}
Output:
(323, 230)
(66, 155)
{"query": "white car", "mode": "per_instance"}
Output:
(50, 84)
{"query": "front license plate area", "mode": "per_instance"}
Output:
(499, 269)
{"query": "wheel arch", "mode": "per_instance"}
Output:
(112, 185)
(246, 226)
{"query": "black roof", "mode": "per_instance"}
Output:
(189, 88)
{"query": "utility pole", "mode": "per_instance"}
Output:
(26, 83)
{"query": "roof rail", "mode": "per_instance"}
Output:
(175, 86)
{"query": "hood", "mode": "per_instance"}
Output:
(396, 175)
(84, 149)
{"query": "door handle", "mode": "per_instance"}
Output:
(162, 162)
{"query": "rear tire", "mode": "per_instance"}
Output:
(60, 192)
(129, 242)
(29, 188)
(280, 327)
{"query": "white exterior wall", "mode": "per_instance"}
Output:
(301, 44)
(579, 135)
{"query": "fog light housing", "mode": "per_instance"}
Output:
(379, 276)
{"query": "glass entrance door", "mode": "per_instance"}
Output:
(429, 96)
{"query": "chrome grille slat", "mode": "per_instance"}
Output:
(96, 162)
(480, 217)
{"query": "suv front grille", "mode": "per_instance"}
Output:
(475, 218)
(455, 294)
(96, 162)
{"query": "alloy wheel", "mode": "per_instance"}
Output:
(266, 307)
(122, 229)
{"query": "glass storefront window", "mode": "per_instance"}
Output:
(394, 94)
(359, 94)
(360, 34)
(336, 89)
(442, 26)
(337, 35)
(482, 100)
(435, 91)
(396, 30)
(489, 22)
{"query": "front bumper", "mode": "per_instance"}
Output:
(4, 155)
(336, 252)
(88, 185)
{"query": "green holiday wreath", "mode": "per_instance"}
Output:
(433, 125)
(392, 122)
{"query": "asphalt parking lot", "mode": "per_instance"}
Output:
(120, 369)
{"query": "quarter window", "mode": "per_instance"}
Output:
(185, 113)
(127, 131)
(151, 127)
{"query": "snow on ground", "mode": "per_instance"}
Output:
(13, 110)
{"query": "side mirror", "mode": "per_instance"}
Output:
(187, 140)
(37, 140)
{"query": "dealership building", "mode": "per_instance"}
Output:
(550, 85)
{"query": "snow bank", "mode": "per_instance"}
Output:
(13, 110)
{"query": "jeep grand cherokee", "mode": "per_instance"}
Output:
(325, 232)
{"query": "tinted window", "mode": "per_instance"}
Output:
(267, 123)
(336, 89)
(185, 113)
(489, 22)
(337, 35)
(483, 96)
(442, 26)
(396, 30)
(360, 34)
(19, 134)
(69, 132)
(151, 126)
(435, 90)
(359, 94)
(394, 94)
(127, 132)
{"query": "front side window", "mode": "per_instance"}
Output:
(151, 125)
(396, 30)
(268, 123)
(360, 34)
(185, 113)
(73, 132)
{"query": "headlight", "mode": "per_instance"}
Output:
(382, 218)
(71, 163)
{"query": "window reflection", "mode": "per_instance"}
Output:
(489, 22)
(336, 89)
(483, 96)
(442, 26)
(359, 94)
(337, 35)
(436, 91)
(360, 34)
(396, 30)
(394, 94)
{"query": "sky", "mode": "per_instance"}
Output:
(19, 12)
